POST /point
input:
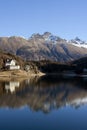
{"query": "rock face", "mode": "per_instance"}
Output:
(45, 47)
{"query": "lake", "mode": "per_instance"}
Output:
(45, 103)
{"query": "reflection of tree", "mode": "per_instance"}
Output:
(45, 93)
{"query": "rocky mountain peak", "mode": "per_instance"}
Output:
(35, 35)
(78, 39)
(47, 34)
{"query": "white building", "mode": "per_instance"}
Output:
(11, 64)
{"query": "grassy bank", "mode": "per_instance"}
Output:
(18, 73)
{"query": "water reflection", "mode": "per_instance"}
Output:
(46, 93)
(11, 86)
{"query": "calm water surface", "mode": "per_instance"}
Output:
(45, 103)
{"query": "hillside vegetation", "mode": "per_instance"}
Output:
(44, 66)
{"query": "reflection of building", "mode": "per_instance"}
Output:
(11, 86)
(11, 64)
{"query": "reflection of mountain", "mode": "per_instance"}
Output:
(46, 93)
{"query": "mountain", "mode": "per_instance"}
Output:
(78, 42)
(11, 44)
(50, 47)
(44, 47)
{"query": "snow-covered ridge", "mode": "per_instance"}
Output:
(80, 45)
(78, 42)
(49, 37)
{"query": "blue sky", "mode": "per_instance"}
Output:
(65, 18)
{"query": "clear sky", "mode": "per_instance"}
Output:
(65, 18)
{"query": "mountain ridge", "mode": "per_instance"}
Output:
(44, 47)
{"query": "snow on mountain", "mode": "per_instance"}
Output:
(78, 42)
(52, 39)
(45, 46)
(48, 37)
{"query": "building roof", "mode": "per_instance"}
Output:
(9, 60)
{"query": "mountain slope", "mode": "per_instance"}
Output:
(11, 44)
(44, 47)
(78, 42)
(49, 47)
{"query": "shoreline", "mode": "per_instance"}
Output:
(19, 74)
(23, 74)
